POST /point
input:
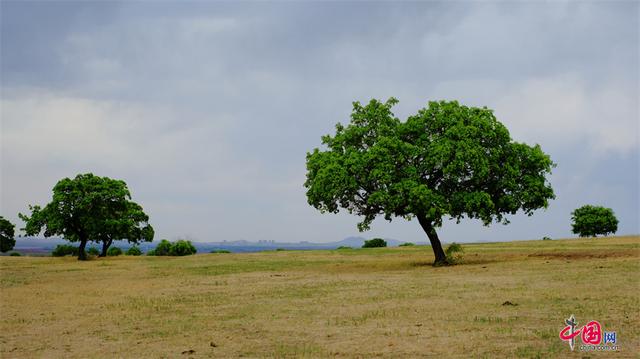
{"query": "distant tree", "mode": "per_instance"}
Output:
(7, 235)
(589, 221)
(407, 244)
(182, 248)
(447, 160)
(89, 208)
(134, 251)
(374, 243)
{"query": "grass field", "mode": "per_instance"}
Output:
(343, 303)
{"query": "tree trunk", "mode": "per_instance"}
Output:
(82, 255)
(105, 247)
(427, 226)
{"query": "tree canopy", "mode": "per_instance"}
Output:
(90, 208)
(447, 160)
(7, 235)
(589, 221)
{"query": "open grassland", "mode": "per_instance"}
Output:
(343, 303)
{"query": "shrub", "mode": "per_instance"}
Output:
(163, 248)
(62, 250)
(454, 253)
(280, 249)
(406, 244)
(178, 248)
(114, 252)
(133, 251)
(93, 251)
(15, 254)
(220, 251)
(546, 238)
(344, 247)
(589, 221)
(181, 248)
(374, 243)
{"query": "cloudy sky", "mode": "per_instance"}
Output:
(207, 109)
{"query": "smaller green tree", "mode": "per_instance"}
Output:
(89, 208)
(374, 243)
(7, 233)
(589, 221)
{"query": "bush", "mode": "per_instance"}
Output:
(62, 250)
(454, 253)
(133, 251)
(181, 248)
(374, 243)
(589, 221)
(15, 254)
(344, 247)
(406, 244)
(546, 238)
(114, 252)
(93, 251)
(163, 248)
(220, 251)
(178, 248)
(280, 249)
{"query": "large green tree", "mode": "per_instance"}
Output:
(90, 208)
(447, 160)
(7, 235)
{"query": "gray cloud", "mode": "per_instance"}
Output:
(207, 109)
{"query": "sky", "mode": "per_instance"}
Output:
(207, 109)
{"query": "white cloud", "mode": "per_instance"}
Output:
(562, 110)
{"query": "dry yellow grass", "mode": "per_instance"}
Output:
(344, 303)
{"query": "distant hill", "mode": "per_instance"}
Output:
(35, 245)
